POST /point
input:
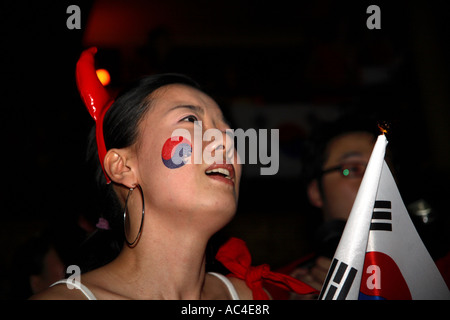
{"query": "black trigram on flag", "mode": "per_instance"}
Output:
(382, 216)
(337, 284)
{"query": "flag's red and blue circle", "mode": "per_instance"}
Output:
(382, 279)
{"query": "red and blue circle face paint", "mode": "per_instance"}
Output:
(176, 152)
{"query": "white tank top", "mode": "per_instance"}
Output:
(90, 296)
(88, 293)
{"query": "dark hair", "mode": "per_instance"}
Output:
(120, 130)
(122, 119)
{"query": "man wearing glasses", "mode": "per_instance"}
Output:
(333, 170)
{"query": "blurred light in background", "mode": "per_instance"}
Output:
(103, 76)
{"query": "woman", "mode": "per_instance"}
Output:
(169, 209)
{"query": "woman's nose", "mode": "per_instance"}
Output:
(221, 141)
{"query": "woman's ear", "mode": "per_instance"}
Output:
(118, 167)
(314, 194)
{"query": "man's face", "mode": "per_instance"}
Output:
(347, 158)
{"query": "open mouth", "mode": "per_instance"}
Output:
(223, 172)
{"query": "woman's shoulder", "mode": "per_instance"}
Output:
(60, 291)
(242, 289)
(221, 287)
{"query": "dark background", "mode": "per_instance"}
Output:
(272, 64)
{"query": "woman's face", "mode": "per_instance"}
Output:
(185, 193)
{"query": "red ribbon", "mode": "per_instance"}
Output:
(234, 255)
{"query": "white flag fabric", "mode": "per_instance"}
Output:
(380, 254)
(397, 264)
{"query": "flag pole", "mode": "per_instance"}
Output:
(348, 261)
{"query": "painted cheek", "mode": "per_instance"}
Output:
(176, 152)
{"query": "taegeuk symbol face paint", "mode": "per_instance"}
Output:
(176, 152)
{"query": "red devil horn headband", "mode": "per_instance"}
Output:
(95, 97)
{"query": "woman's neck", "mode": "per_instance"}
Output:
(170, 266)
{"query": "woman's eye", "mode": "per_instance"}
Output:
(190, 118)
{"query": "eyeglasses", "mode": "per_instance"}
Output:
(349, 170)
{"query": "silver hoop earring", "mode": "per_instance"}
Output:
(132, 244)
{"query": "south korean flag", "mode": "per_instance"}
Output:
(397, 265)
(380, 255)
